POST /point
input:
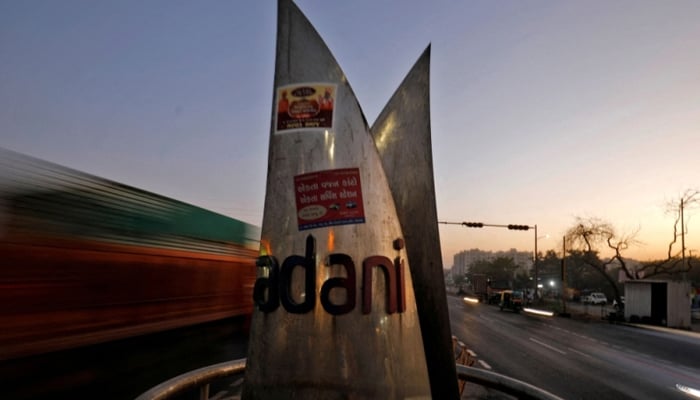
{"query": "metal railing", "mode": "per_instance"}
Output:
(203, 377)
(198, 379)
(462, 357)
(502, 383)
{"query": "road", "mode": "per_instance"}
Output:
(572, 358)
(579, 358)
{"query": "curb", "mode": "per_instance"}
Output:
(690, 333)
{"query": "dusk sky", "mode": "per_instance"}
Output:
(541, 111)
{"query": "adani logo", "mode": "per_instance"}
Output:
(277, 283)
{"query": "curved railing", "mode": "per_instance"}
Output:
(505, 384)
(203, 377)
(199, 378)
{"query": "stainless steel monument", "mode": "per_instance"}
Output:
(335, 313)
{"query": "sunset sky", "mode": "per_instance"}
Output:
(541, 111)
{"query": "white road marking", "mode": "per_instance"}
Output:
(580, 352)
(547, 346)
(484, 364)
(471, 353)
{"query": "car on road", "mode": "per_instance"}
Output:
(595, 298)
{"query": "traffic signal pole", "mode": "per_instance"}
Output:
(511, 227)
(481, 225)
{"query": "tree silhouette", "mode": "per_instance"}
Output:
(588, 236)
(501, 269)
(591, 236)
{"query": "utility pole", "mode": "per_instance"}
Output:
(563, 276)
(682, 240)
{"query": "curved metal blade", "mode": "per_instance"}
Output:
(403, 138)
(329, 322)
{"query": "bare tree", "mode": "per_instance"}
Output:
(591, 235)
(689, 200)
(675, 262)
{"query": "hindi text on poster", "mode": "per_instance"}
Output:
(328, 198)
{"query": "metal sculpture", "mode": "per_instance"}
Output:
(403, 138)
(335, 309)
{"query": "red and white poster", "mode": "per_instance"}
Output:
(305, 106)
(329, 198)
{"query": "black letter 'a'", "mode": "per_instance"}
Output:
(308, 262)
(267, 284)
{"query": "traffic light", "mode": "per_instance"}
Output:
(473, 224)
(518, 227)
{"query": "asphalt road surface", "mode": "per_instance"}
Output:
(571, 358)
(579, 358)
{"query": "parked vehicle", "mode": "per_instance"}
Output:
(512, 300)
(595, 298)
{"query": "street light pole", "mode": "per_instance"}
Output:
(563, 276)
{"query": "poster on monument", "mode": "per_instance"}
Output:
(305, 106)
(329, 198)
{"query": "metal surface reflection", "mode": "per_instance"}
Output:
(403, 138)
(331, 225)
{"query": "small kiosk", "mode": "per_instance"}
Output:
(658, 302)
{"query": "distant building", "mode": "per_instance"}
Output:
(465, 258)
